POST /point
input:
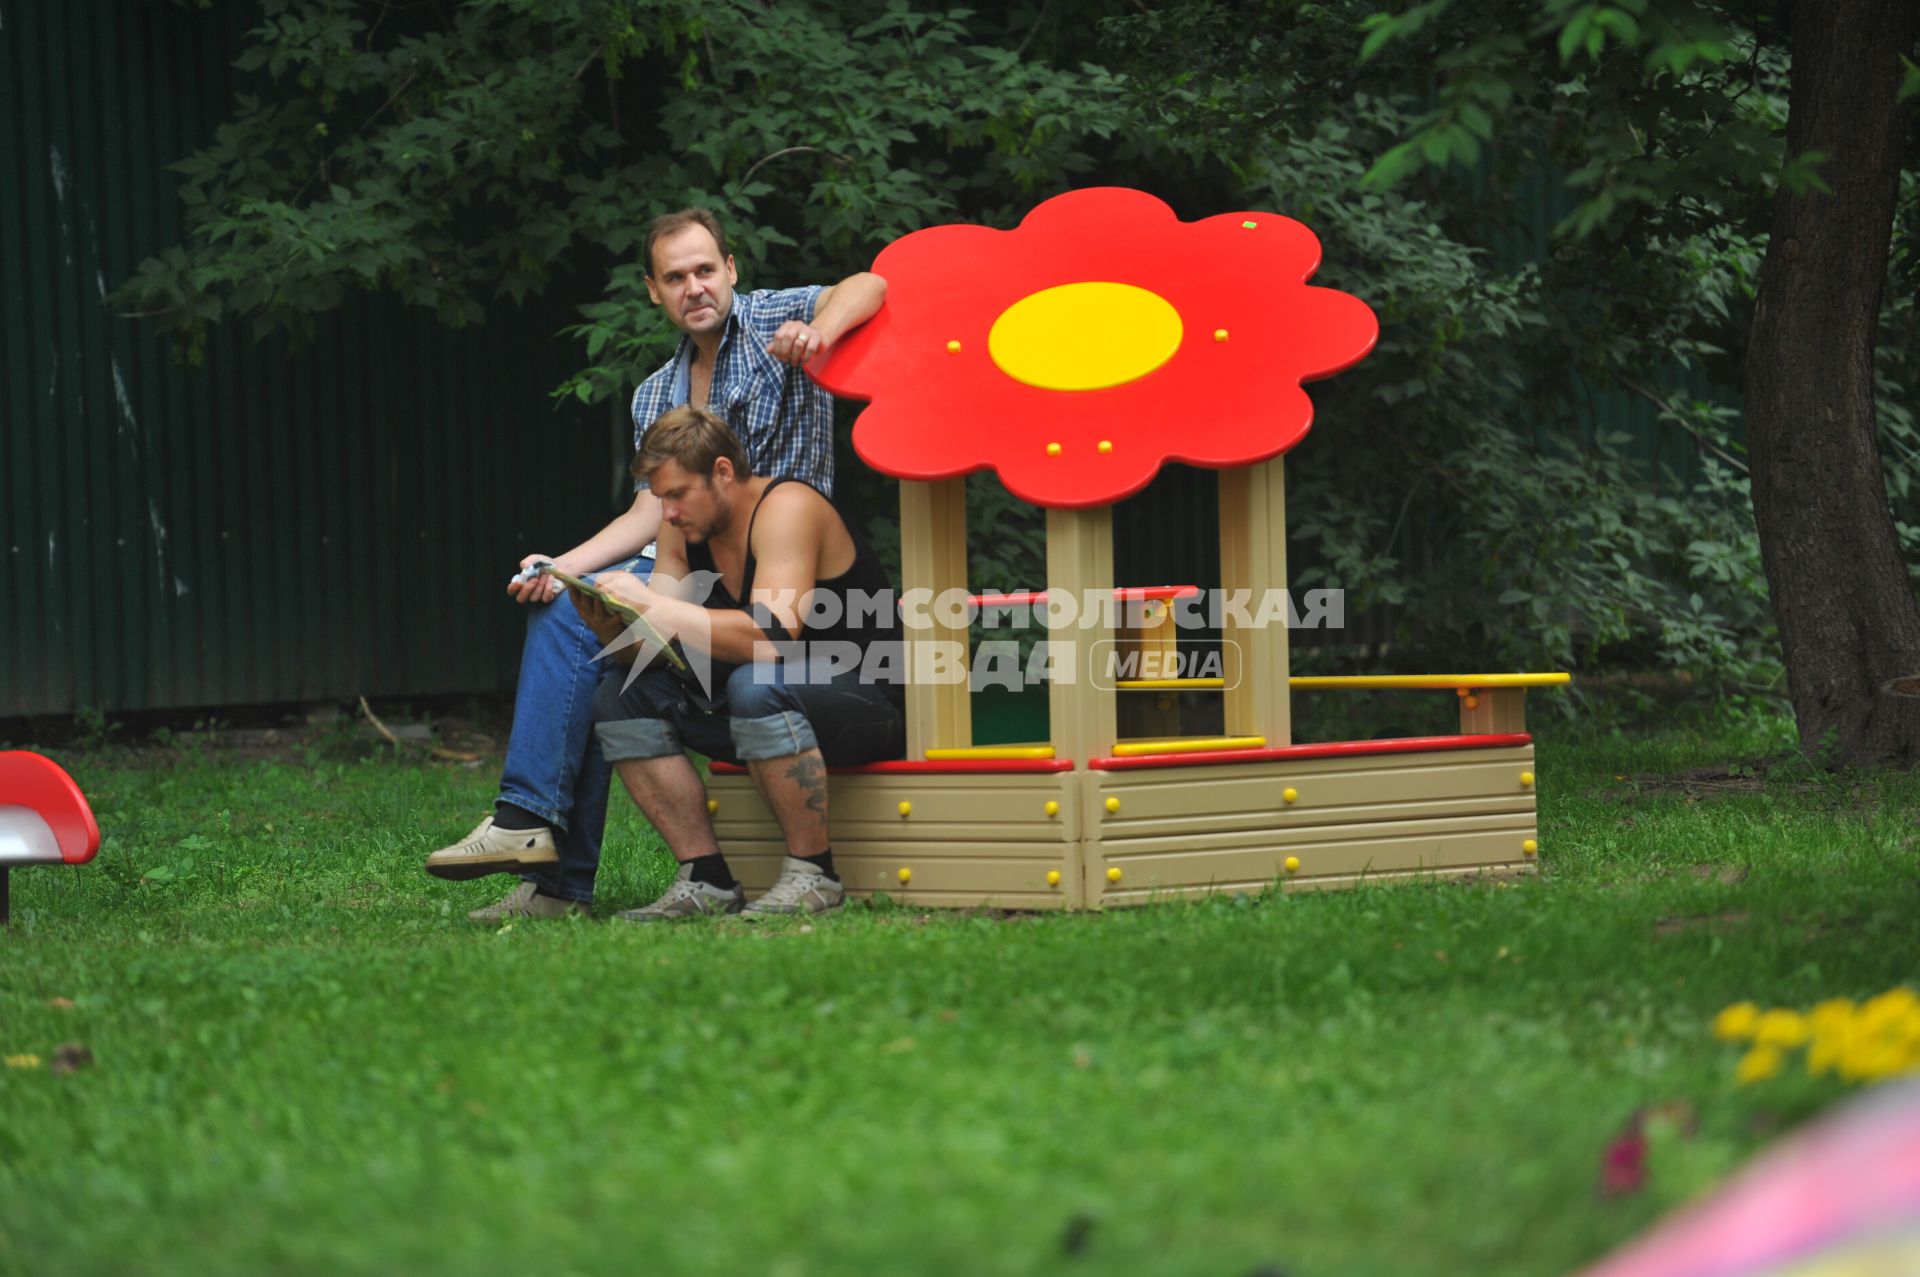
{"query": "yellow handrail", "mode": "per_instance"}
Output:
(997, 753)
(1187, 745)
(1357, 682)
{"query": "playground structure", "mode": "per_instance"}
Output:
(44, 818)
(1075, 355)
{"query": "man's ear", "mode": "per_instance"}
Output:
(733, 273)
(653, 290)
(722, 471)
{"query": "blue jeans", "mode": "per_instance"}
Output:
(554, 765)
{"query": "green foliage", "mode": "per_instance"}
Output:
(1464, 478)
(1557, 207)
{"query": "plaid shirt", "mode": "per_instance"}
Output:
(784, 417)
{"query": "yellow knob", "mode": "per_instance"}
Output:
(1053, 808)
(906, 874)
(1219, 334)
(713, 805)
(1053, 877)
(1531, 847)
(953, 348)
(1113, 874)
(1472, 702)
(906, 808)
(1053, 450)
(1113, 804)
(1290, 794)
(1526, 778)
(1104, 446)
(1293, 864)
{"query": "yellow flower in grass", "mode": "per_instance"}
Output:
(1831, 1016)
(1865, 1043)
(1781, 1027)
(1736, 1023)
(1895, 1009)
(1759, 1064)
(23, 1061)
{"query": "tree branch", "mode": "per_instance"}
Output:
(1034, 30)
(835, 156)
(384, 8)
(1668, 414)
(391, 99)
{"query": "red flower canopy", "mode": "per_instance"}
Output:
(1102, 338)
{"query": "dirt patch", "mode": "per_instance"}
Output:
(1780, 773)
(1708, 922)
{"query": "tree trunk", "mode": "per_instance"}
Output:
(1845, 605)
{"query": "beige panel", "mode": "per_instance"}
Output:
(1080, 563)
(987, 808)
(1498, 709)
(1246, 861)
(1293, 770)
(1253, 557)
(1190, 799)
(1305, 842)
(955, 878)
(1178, 830)
(933, 557)
(1118, 897)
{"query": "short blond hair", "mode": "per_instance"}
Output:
(693, 438)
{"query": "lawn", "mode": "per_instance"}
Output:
(304, 1059)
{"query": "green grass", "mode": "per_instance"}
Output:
(307, 1061)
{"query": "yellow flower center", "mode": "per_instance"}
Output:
(1084, 336)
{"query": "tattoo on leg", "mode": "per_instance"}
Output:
(810, 774)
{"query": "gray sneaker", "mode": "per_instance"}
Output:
(525, 901)
(803, 888)
(489, 850)
(688, 899)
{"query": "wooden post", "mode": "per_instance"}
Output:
(933, 557)
(1080, 565)
(1253, 558)
(1497, 710)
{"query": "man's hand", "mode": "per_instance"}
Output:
(605, 623)
(795, 343)
(606, 626)
(533, 589)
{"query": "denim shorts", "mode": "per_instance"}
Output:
(771, 710)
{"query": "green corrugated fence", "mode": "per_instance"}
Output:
(278, 525)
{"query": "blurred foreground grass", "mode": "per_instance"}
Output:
(305, 1060)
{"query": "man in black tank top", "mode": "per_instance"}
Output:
(764, 578)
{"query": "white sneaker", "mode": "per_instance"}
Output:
(803, 888)
(687, 899)
(491, 850)
(525, 901)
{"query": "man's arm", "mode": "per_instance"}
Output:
(630, 532)
(837, 311)
(787, 539)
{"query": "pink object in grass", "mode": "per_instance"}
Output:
(1841, 1197)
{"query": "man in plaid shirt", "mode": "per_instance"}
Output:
(741, 356)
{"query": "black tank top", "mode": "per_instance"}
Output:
(858, 606)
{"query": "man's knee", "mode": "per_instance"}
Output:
(764, 716)
(755, 691)
(634, 720)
